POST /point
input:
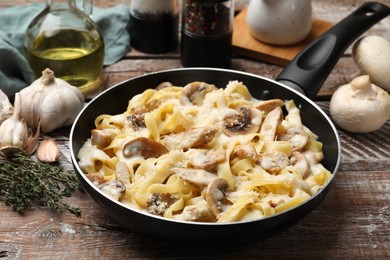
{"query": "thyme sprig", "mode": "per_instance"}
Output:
(25, 181)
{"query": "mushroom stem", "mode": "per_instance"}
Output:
(362, 89)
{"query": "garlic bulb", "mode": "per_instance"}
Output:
(15, 136)
(50, 101)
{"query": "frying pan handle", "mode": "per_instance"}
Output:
(310, 68)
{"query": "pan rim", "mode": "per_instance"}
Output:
(79, 172)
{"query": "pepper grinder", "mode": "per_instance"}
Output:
(206, 35)
(154, 25)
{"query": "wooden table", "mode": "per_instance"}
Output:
(353, 221)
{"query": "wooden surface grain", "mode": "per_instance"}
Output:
(352, 222)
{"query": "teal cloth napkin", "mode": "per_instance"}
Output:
(15, 73)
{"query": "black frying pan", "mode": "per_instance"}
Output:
(303, 76)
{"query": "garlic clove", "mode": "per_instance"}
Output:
(48, 151)
(14, 132)
(32, 142)
(6, 108)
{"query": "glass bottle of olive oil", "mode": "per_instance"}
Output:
(66, 40)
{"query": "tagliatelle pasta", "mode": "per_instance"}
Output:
(202, 153)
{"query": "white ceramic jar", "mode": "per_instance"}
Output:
(279, 22)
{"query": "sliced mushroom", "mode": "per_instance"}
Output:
(122, 173)
(208, 161)
(193, 138)
(198, 212)
(114, 188)
(273, 162)
(269, 128)
(103, 137)
(196, 91)
(296, 136)
(157, 203)
(145, 147)
(269, 105)
(197, 177)
(246, 151)
(215, 195)
(247, 120)
(136, 121)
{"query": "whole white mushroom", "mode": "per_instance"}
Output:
(372, 55)
(360, 106)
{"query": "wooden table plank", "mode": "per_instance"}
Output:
(344, 71)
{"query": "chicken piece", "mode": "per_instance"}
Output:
(198, 212)
(157, 203)
(273, 162)
(103, 137)
(96, 178)
(247, 151)
(122, 173)
(313, 158)
(296, 136)
(299, 161)
(208, 161)
(113, 189)
(269, 128)
(193, 138)
(197, 177)
(268, 105)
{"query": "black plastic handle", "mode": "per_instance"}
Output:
(310, 68)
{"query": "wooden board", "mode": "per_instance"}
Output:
(246, 45)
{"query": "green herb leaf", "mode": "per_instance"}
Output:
(24, 182)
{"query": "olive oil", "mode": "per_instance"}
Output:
(74, 56)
